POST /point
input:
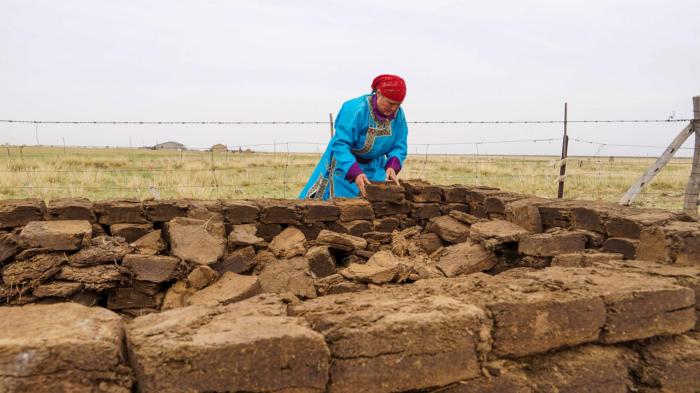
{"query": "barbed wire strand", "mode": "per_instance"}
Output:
(302, 122)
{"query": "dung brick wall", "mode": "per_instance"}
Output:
(417, 288)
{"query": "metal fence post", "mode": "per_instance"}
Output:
(564, 154)
(690, 202)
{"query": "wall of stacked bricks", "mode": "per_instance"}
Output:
(419, 288)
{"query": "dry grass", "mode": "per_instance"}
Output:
(51, 173)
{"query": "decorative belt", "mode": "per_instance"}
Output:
(362, 160)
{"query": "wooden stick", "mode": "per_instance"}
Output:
(657, 166)
(690, 202)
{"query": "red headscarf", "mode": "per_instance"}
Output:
(391, 86)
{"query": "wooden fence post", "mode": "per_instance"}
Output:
(690, 203)
(564, 154)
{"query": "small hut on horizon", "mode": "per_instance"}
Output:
(219, 148)
(170, 145)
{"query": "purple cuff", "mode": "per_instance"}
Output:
(393, 163)
(353, 172)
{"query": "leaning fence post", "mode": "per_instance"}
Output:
(690, 202)
(564, 154)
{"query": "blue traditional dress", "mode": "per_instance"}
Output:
(364, 142)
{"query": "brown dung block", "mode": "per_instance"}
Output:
(248, 346)
(421, 191)
(552, 244)
(278, 211)
(318, 211)
(425, 211)
(240, 212)
(152, 268)
(354, 209)
(375, 335)
(382, 209)
(62, 347)
(19, 212)
(449, 229)
(115, 211)
(70, 209)
(130, 232)
(621, 245)
(56, 235)
(165, 210)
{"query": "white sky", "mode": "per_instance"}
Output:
(299, 60)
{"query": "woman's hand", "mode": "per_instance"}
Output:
(361, 181)
(391, 176)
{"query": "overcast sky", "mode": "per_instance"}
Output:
(299, 60)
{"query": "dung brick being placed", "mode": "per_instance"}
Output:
(385, 192)
(421, 192)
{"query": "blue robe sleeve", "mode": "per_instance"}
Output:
(346, 132)
(400, 147)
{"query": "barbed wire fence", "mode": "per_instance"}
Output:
(280, 169)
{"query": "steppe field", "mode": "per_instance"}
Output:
(100, 173)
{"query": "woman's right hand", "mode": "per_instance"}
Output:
(361, 181)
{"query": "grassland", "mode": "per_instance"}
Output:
(51, 172)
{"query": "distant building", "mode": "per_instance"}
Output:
(169, 146)
(219, 148)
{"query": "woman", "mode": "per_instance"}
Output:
(369, 143)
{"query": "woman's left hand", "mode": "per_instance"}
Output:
(391, 176)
